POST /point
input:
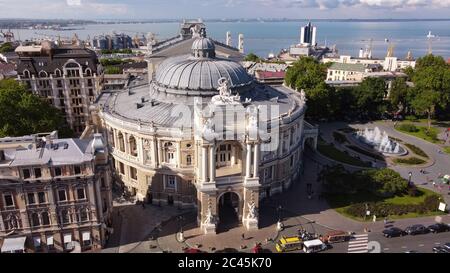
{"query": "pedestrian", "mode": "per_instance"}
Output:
(243, 236)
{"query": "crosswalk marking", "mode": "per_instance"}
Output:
(358, 243)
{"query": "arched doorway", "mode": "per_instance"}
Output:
(228, 211)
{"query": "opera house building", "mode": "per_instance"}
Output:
(202, 133)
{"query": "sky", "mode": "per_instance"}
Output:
(218, 9)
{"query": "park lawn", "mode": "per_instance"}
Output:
(330, 151)
(341, 202)
(447, 149)
(422, 134)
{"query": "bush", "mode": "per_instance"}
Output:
(408, 127)
(416, 150)
(409, 161)
(381, 209)
(411, 118)
(339, 137)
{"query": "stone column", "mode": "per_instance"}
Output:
(204, 163)
(178, 145)
(256, 161)
(248, 162)
(160, 153)
(155, 152)
(212, 163)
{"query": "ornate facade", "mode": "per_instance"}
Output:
(55, 194)
(204, 134)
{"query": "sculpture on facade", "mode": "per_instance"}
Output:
(209, 217)
(252, 213)
(225, 96)
(303, 96)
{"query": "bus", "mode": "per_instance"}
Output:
(286, 244)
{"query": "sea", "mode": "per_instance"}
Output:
(264, 38)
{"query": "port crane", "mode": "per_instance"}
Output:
(9, 35)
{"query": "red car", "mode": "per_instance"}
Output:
(257, 248)
(192, 250)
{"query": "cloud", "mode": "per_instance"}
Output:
(332, 4)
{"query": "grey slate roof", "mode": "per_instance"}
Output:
(77, 152)
(184, 72)
(348, 67)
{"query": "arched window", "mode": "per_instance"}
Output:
(170, 152)
(133, 146)
(26, 73)
(43, 74)
(65, 217)
(88, 72)
(121, 142)
(45, 219)
(83, 215)
(58, 72)
(35, 220)
(111, 138)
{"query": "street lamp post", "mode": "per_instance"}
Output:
(409, 180)
(180, 233)
(279, 224)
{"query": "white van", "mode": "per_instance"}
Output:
(314, 246)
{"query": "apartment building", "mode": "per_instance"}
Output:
(55, 194)
(66, 75)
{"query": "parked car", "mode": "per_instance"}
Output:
(393, 232)
(439, 227)
(193, 250)
(416, 229)
(440, 249)
(257, 248)
(447, 246)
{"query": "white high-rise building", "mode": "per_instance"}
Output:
(308, 35)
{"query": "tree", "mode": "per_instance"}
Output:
(399, 92)
(22, 113)
(370, 96)
(6, 47)
(112, 70)
(309, 75)
(431, 79)
(251, 57)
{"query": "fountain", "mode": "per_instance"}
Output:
(380, 141)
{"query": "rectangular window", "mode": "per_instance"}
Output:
(26, 173)
(37, 172)
(121, 168)
(170, 182)
(41, 197)
(31, 199)
(62, 195)
(58, 171)
(133, 173)
(9, 201)
(77, 170)
(81, 194)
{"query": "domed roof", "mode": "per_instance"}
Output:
(201, 71)
(203, 43)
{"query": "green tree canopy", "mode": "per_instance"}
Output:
(370, 96)
(22, 113)
(6, 47)
(431, 79)
(309, 75)
(399, 93)
(251, 57)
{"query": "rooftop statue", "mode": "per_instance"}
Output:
(225, 96)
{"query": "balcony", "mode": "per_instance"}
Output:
(124, 156)
(235, 170)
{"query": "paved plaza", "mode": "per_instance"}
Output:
(155, 229)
